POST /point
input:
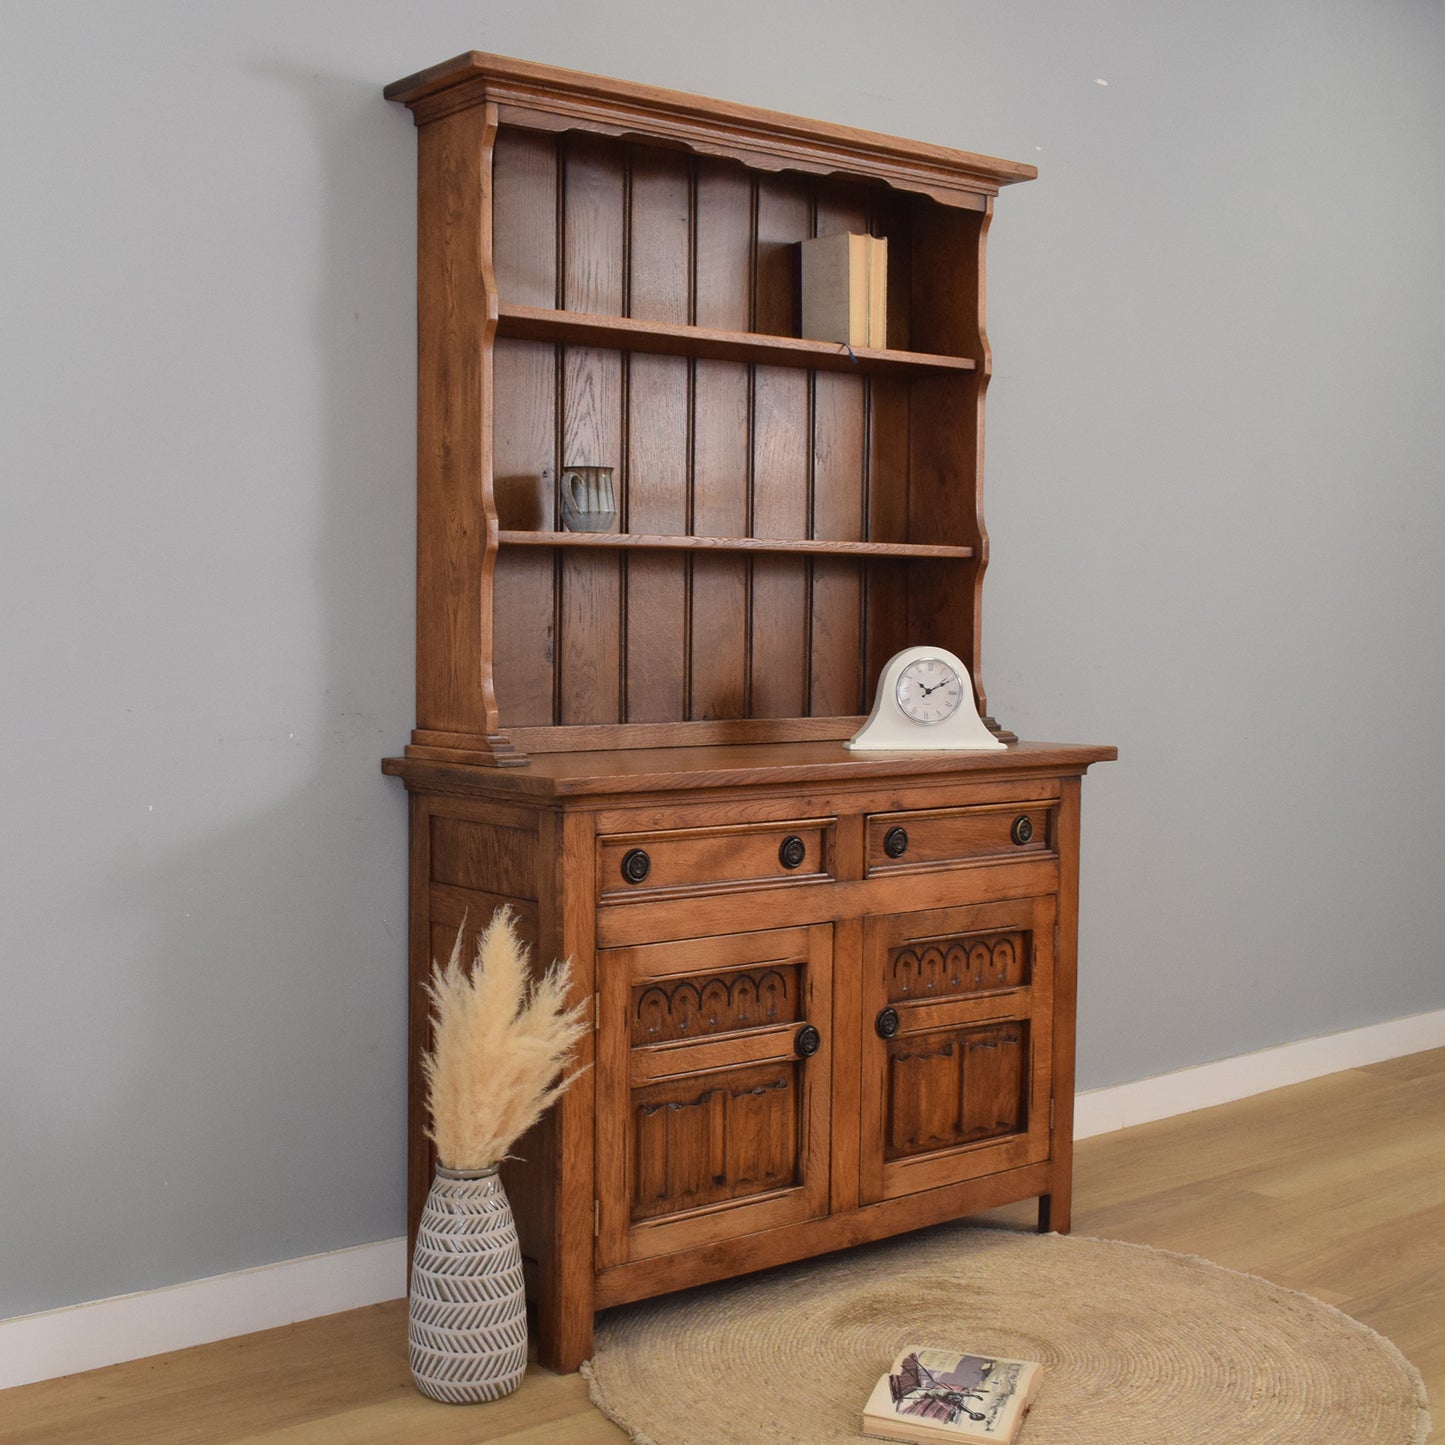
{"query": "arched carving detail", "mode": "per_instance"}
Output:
(700, 1006)
(947, 967)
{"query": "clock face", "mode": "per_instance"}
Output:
(929, 690)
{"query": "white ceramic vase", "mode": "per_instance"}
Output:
(467, 1312)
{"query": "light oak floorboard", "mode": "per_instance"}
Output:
(1335, 1187)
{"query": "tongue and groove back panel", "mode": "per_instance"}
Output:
(712, 447)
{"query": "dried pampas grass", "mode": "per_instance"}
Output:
(499, 1045)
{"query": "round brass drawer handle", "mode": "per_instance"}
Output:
(895, 842)
(636, 865)
(792, 852)
(886, 1024)
(807, 1041)
(1023, 829)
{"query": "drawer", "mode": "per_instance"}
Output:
(706, 860)
(936, 838)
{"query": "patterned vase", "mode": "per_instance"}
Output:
(467, 1314)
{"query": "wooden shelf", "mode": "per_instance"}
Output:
(536, 323)
(633, 541)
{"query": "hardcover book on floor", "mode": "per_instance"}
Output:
(939, 1395)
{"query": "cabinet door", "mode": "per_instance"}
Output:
(957, 1046)
(712, 1089)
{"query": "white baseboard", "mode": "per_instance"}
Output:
(153, 1322)
(129, 1327)
(1100, 1111)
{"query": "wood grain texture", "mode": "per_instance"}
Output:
(735, 1117)
(465, 864)
(836, 683)
(635, 771)
(945, 274)
(1270, 1185)
(566, 1301)
(524, 218)
(781, 465)
(946, 460)
(547, 97)
(658, 430)
(890, 214)
(657, 601)
(816, 547)
(724, 258)
(455, 296)
(726, 1258)
(932, 1090)
(668, 339)
(886, 627)
(773, 907)
(677, 1169)
(593, 279)
(1055, 1207)
(480, 854)
(594, 293)
(700, 859)
(591, 626)
(524, 402)
(787, 513)
(524, 642)
(721, 593)
(420, 1154)
(952, 835)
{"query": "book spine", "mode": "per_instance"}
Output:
(877, 251)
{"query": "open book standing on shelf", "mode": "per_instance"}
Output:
(938, 1395)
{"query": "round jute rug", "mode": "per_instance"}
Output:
(1139, 1347)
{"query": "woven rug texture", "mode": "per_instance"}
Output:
(1139, 1347)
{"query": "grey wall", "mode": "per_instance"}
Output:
(1215, 497)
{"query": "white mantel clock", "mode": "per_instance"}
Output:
(924, 703)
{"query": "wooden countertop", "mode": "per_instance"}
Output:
(663, 770)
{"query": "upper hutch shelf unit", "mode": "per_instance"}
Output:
(608, 277)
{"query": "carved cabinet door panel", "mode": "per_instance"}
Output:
(957, 1045)
(713, 1067)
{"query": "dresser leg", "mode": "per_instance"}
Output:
(564, 1341)
(1054, 1213)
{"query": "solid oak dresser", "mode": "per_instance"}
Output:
(833, 993)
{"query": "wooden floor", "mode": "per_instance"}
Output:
(1335, 1187)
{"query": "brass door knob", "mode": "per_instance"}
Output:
(886, 1024)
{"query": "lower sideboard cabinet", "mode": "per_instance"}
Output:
(833, 999)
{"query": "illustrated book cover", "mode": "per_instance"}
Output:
(939, 1395)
